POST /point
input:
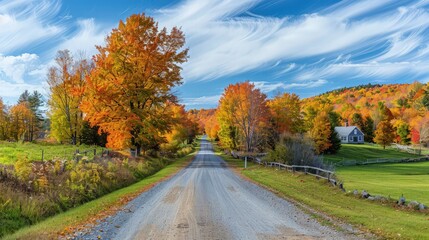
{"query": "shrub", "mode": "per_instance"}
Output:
(296, 149)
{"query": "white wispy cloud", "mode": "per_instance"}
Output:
(267, 87)
(26, 22)
(9, 89)
(13, 68)
(371, 70)
(199, 101)
(85, 38)
(225, 41)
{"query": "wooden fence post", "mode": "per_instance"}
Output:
(43, 153)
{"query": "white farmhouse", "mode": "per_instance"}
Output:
(350, 134)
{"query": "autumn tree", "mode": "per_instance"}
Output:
(421, 126)
(128, 91)
(34, 102)
(21, 118)
(285, 111)
(211, 127)
(242, 107)
(384, 134)
(184, 127)
(66, 83)
(321, 131)
(203, 116)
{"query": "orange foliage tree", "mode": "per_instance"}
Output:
(384, 134)
(285, 112)
(211, 127)
(21, 118)
(128, 91)
(184, 125)
(245, 108)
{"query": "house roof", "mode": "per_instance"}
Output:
(345, 131)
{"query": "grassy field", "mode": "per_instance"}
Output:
(10, 152)
(68, 222)
(410, 179)
(361, 152)
(384, 221)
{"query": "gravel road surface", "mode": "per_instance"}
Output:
(206, 200)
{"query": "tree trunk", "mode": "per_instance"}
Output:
(138, 150)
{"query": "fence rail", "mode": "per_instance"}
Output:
(314, 171)
(352, 162)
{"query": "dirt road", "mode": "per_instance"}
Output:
(208, 201)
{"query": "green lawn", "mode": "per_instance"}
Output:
(410, 179)
(78, 217)
(362, 152)
(10, 152)
(382, 220)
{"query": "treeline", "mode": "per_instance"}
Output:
(120, 98)
(394, 112)
(246, 120)
(285, 126)
(23, 121)
(26, 121)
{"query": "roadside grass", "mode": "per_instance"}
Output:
(77, 218)
(394, 179)
(11, 151)
(362, 152)
(381, 220)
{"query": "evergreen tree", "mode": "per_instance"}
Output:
(90, 136)
(357, 120)
(334, 120)
(403, 132)
(368, 129)
(34, 102)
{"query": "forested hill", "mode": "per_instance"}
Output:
(403, 104)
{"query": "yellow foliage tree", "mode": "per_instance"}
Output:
(321, 131)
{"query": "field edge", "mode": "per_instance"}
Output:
(82, 216)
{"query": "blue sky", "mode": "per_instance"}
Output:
(305, 47)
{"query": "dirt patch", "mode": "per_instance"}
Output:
(172, 196)
(289, 234)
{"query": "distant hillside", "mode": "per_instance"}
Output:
(402, 103)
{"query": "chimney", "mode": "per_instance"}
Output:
(346, 123)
